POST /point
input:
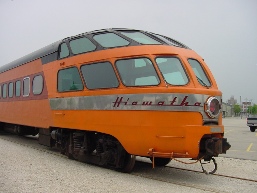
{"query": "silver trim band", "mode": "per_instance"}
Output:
(153, 102)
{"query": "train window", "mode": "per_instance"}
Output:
(99, 75)
(64, 51)
(137, 72)
(37, 85)
(26, 86)
(81, 45)
(10, 90)
(110, 40)
(4, 90)
(140, 37)
(199, 72)
(69, 80)
(172, 70)
(18, 88)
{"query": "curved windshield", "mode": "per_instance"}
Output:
(172, 70)
(137, 72)
(199, 73)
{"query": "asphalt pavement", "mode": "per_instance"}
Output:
(243, 142)
(26, 166)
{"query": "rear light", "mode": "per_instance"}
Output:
(213, 107)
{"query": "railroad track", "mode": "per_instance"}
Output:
(142, 168)
(221, 175)
(200, 172)
(181, 183)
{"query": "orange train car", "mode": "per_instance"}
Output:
(107, 96)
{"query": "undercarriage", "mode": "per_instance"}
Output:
(93, 148)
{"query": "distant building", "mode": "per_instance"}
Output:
(227, 110)
(232, 101)
(245, 106)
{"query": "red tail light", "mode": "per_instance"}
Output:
(213, 107)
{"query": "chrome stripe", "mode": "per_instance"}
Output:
(163, 102)
(152, 102)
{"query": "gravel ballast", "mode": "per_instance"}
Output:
(27, 169)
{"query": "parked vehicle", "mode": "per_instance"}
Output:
(252, 123)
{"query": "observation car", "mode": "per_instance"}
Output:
(107, 96)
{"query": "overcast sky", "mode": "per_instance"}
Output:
(223, 32)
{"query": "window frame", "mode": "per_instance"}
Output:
(59, 51)
(125, 32)
(85, 82)
(204, 72)
(78, 39)
(16, 88)
(10, 95)
(23, 86)
(108, 47)
(182, 65)
(33, 89)
(81, 79)
(4, 93)
(142, 57)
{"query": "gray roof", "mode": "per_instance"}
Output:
(32, 56)
(53, 48)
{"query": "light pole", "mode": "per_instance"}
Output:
(251, 105)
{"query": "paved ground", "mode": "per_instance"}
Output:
(242, 140)
(26, 166)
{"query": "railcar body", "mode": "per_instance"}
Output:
(107, 96)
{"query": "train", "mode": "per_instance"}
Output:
(106, 96)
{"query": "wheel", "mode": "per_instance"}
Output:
(252, 129)
(68, 151)
(129, 163)
(18, 130)
(2, 125)
(158, 161)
